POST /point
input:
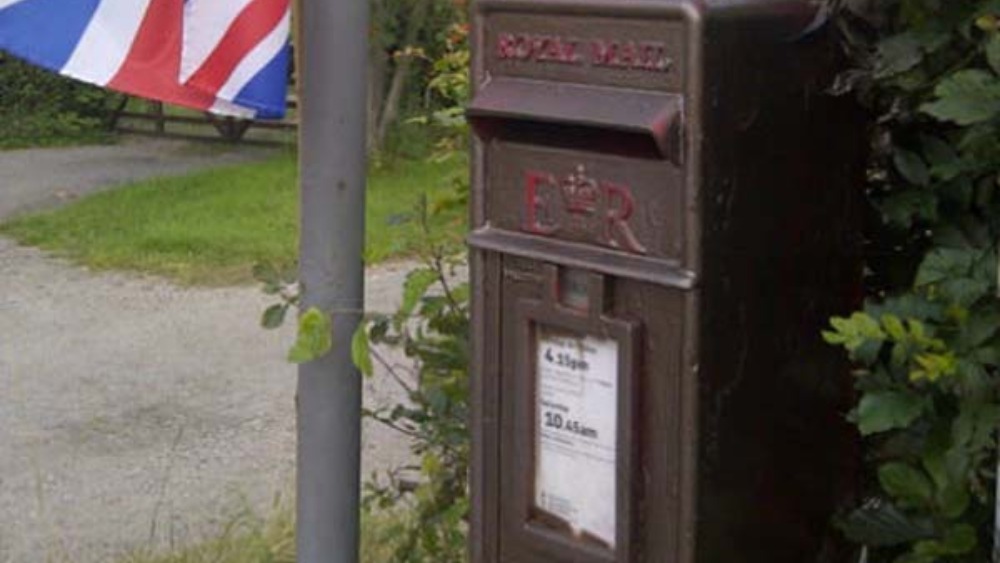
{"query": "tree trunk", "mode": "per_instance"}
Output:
(401, 72)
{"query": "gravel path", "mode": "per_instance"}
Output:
(134, 413)
(38, 178)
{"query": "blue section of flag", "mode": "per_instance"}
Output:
(45, 32)
(266, 91)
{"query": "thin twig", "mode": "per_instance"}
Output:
(391, 368)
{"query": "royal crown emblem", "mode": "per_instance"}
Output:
(581, 192)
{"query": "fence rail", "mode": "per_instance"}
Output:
(160, 120)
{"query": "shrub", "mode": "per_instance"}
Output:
(926, 343)
(38, 107)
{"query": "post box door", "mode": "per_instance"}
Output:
(586, 424)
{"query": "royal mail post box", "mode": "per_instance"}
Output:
(663, 220)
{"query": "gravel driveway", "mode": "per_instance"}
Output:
(135, 413)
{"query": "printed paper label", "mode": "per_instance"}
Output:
(576, 435)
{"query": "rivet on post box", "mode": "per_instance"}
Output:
(664, 212)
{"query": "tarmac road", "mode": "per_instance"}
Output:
(135, 413)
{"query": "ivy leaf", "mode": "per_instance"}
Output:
(966, 97)
(905, 483)
(993, 51)
(314, 338)
(274, 316)
(879, 411)
(911, 167)
(361, 351)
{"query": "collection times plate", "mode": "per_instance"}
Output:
(576, 433)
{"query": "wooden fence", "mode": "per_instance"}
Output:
(143, 117)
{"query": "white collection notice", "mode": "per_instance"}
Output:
(576, 433)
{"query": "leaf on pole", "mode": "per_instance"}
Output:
(315, 337)
(361, 352)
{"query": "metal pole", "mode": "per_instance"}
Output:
(332, 178)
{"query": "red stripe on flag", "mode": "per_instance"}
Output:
(254, 23)
(152, 67)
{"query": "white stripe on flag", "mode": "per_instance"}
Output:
(256, 60)
(5, 3)
(107, 40)
(205, 24)
(223, 107)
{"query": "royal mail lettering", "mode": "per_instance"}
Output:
(577, 202)
(541, 48)
(641, 55)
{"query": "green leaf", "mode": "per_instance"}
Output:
(943, 264)
(897, 54)
(953, 500)
(361, 352)
(903, 207)
(993, 51)
(894, 327)
(905, 483)
(966, 97)
(959, 539)
(315, 337)
(933, 461)
(879, 524)
(977, 330)
(854, 331)
(937, 152)
(265, 272)
(416, 285)
(911, 167)
(975, 424)
(910, 306)
(885, 410)
(932, 367)
(274, 316)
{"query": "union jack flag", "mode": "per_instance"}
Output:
(226, 56)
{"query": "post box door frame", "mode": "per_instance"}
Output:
(529, 314)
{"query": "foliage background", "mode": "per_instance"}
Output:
(926, 343)
(38, 107)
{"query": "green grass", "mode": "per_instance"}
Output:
(249, 538)
(209, 228)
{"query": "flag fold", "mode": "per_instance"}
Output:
(229, 57)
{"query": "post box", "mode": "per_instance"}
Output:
(663, 213)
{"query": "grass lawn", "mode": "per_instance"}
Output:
(209, 228)
(249, 538)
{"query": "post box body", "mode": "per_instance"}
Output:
(664, 201)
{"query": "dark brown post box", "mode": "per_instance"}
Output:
(663, 220)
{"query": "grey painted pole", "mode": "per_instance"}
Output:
(334, 44)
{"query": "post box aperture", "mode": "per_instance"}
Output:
(663, 215)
